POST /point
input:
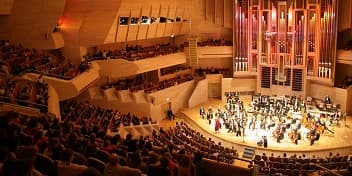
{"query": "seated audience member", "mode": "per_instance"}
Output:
(136, 161)
(199, 164)
(162, 169)
(113, 168)
(29, 154)
(185, 165)
(66, 167)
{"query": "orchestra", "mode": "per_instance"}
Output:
(287, 117)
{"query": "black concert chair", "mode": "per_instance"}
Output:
(80, 159)
(45, 165)
(97, 164)
(102, 155)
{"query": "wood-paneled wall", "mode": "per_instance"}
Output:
(156, 8)
(6, 7)
(237, 84)
(119, 68)
(344, 15)
(212, 18)
(31, 22)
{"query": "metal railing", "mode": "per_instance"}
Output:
(23, 103)
(49, 74)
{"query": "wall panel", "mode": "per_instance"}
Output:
(219, 12)
(152, 31)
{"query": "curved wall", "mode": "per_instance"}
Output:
(32, 22)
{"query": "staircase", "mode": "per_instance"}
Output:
(192, 52)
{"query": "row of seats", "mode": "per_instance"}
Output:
(132, 53)
(94, 119)
(213, 70)
(24, 92)
(20, 60)
(295, 165)
(138, 83)
(45, 146)
(211, 42)
(183, 137)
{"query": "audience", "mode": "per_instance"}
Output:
(132, 53)
(213, 70)
(21, 60)
(137, 84)
(211, 42)
(65, 167)
(176, 151)
(25, 93)
(113, 168)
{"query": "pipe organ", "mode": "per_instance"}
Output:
(284, 42)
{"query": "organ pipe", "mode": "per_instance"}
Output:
(284, 34)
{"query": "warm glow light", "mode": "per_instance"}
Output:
(290, 17)
(61, 20)
(273, 16)
(273, 13)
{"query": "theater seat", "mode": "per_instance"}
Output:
(97, 164)
(45, 165)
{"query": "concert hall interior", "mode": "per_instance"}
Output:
(175, 87)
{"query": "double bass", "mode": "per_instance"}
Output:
(278, 134)
(294, 136)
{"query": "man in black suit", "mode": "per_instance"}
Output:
(265, 142)
(327, 100)
(170, 114)
(202, 112)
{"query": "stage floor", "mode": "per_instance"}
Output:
(341, 140)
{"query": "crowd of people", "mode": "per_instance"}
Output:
(138, 83)
(276, 117)
(94, 119)
(173, 70)
(212, 70)
(24, 92)
(301, 165)
(20, 60)
(128, 120)
(132, 53)
(184, 138)
(212, 42)
(44, 146)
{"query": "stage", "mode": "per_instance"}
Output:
(339, 142)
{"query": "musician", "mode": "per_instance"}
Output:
(231, 126)
(217, 124)
(239, 127)
(327, 100)
(265, 142)
(210, 115)
(278, 133)
(313, 135)
(202, 112)
(294, 136)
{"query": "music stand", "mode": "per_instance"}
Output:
(243, 133)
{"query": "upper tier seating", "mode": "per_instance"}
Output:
(21, 60)
(138, 83)
(24, 92)
(132, 53)
(211, 42)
